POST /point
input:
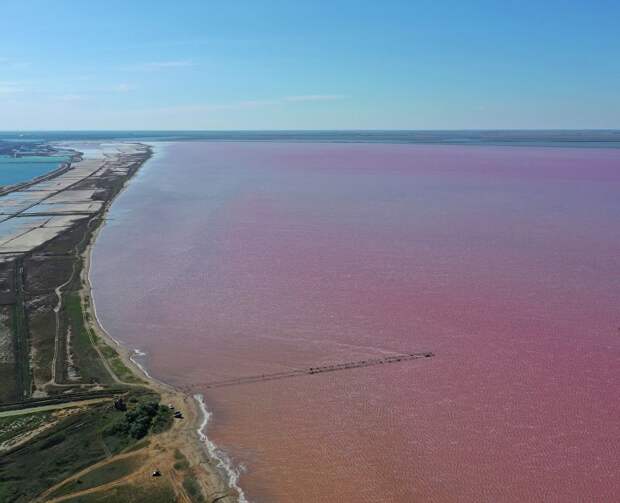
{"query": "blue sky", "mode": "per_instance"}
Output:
(309, 64)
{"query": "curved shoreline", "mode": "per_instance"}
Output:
(224, 462)
(216, 464)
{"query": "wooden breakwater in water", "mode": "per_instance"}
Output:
(321, 369)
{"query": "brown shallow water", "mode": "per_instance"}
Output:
(234, 259)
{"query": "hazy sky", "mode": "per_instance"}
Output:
(308, 64)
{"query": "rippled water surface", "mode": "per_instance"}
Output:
(232, 259)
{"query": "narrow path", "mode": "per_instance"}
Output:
(58, 292)
(83, 472)
(87, 304)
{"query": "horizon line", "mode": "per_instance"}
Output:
(369, 130)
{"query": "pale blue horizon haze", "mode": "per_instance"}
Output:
(162, 65)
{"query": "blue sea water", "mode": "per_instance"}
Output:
(20, 169)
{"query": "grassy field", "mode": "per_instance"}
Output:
(137, 446)
(8, 384)
(20, 333)
(77, 442)
(159, 491)
(181, 463)
(51, 456)
(102, 475)
(190, 484)
(116, 362)
(42, 331)
(193, 489)
(86, 357)
(10, 427)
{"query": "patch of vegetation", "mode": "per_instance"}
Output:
(42, 274)
(75, 443)
(8, 388)
(87, 359)
(42, 330)
(68, 241)
(163, 420)
(68, 447)
(193, 489)
(116, 363)
(159, 492)
(8, 385)
(16, 425)
(20, 334)
(140, 419)
(181, 462)
(138, 445)
(102, 475)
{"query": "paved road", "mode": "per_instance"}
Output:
(43, 408)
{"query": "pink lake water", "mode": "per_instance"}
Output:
(232, 259)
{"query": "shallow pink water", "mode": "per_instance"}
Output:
(234, 259)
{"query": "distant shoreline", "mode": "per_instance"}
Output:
(568, 138)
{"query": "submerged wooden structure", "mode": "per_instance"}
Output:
(321, 369)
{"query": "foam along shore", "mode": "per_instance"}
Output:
(224, 464)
